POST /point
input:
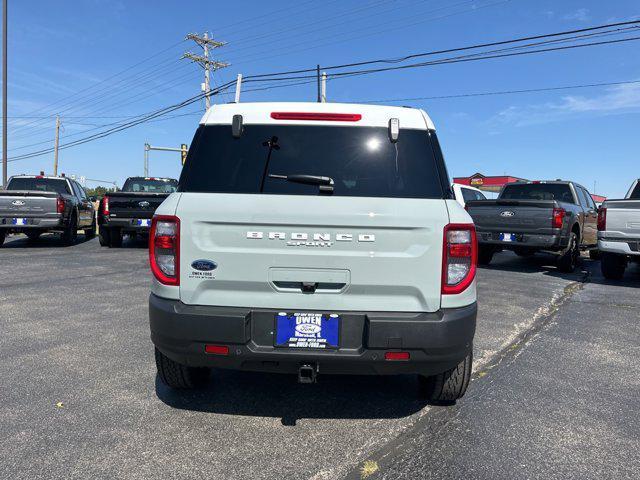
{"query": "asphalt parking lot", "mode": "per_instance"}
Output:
(555, 393)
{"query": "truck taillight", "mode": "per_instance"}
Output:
(164, 249)
(602, 219)
(105, 205)
(60, 205)
(459, 258)
(558, 217)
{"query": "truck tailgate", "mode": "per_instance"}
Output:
(512, 216)
(15, 203)
(360, 254)
(134, 205)
(623, 218)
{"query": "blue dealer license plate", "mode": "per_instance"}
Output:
(307, 330)
(144, 222)
(507, 237)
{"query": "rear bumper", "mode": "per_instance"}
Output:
(436, 341)
(33, 223)
(620, 246)
(126, 224)
(551, 242)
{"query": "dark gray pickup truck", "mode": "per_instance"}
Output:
(130, 210)
(527, 217)
(35, 204)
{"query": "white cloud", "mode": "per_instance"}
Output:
(616, 100)
(580, 15)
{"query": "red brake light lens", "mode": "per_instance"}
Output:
(459, 258)
(321, 117)
(217, 349)
(602, 219)
(558, 217)
(60, 205)
(397, 356)
(164, 249)
(105, 205)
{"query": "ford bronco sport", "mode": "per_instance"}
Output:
(314, 238)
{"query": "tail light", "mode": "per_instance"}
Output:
(459, 258)
(558, 217)
(105, 205)
(602, 219)
(60, 205)
(164, 249)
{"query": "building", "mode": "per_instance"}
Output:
(495, 184)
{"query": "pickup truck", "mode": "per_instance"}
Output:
(619, 233)
(35, 204)
(310, 238)
(129, 211)
(527, 217)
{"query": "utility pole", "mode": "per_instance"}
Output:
(4, 93)
(318, 81)
(238, 87)
(205, 62)
(55, 147)
(323, 88)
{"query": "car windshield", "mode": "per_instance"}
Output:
(150, 185)
(361, 161)
(39, 184)
(635, 195)
(538, 191)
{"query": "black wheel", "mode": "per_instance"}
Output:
(568, 262)
(91, 231)
(485, 255)
(3, 234)
(449, 386)
(524, 252)
(613, 265)
(116, 238)
(594, 254)
(176, 375)
(70, 234)
(33, 236)
(104, 235)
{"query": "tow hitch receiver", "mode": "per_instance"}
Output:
(307, 373)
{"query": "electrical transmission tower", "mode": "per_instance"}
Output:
(205, 62)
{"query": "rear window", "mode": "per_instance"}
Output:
(39, 184)
(469, 195)
(635, 195)
(538, 191)
(150, 185)
(361, 161)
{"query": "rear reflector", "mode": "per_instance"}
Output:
(217, 349)
(397, 356)
(320, 117)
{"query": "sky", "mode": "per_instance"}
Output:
(95, 62)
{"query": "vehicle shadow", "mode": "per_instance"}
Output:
(280, 396)
(539, 263)
(47, 240)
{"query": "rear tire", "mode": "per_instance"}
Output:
(176, 375)
(33, 236)
(70, 234)
(3, 234)
(116, 238)
(613, 265)
(594, 254)
(91, 231)
(449, 386)
(485, 255)
(104, 235)
(568, 262)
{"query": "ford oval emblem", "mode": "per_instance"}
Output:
(507, 213)
(17, 203)
(204, 265)
(144, 204)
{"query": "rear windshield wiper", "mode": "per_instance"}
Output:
(325, 184)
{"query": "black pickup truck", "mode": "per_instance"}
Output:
(130, 210)
(558, 217)
(35, 204)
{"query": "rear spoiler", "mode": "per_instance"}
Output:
(27, 193)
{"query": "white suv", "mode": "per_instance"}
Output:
(314, 238)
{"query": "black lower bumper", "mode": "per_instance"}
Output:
(126, 224)
(33, 223)
(435, 341)
(552, 243)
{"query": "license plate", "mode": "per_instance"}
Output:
(307, 330)
(507, 237)
(19, 221)
(145, 222)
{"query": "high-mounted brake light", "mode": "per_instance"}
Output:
(105, 205)
(602, 219)
(60, 204)
(164, 249)
(320, 117)
(459, 258)
(558, 217)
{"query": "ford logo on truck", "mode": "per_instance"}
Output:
(203, 265)
(507, 213)
(17, 203)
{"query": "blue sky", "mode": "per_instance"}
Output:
(58, 49)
